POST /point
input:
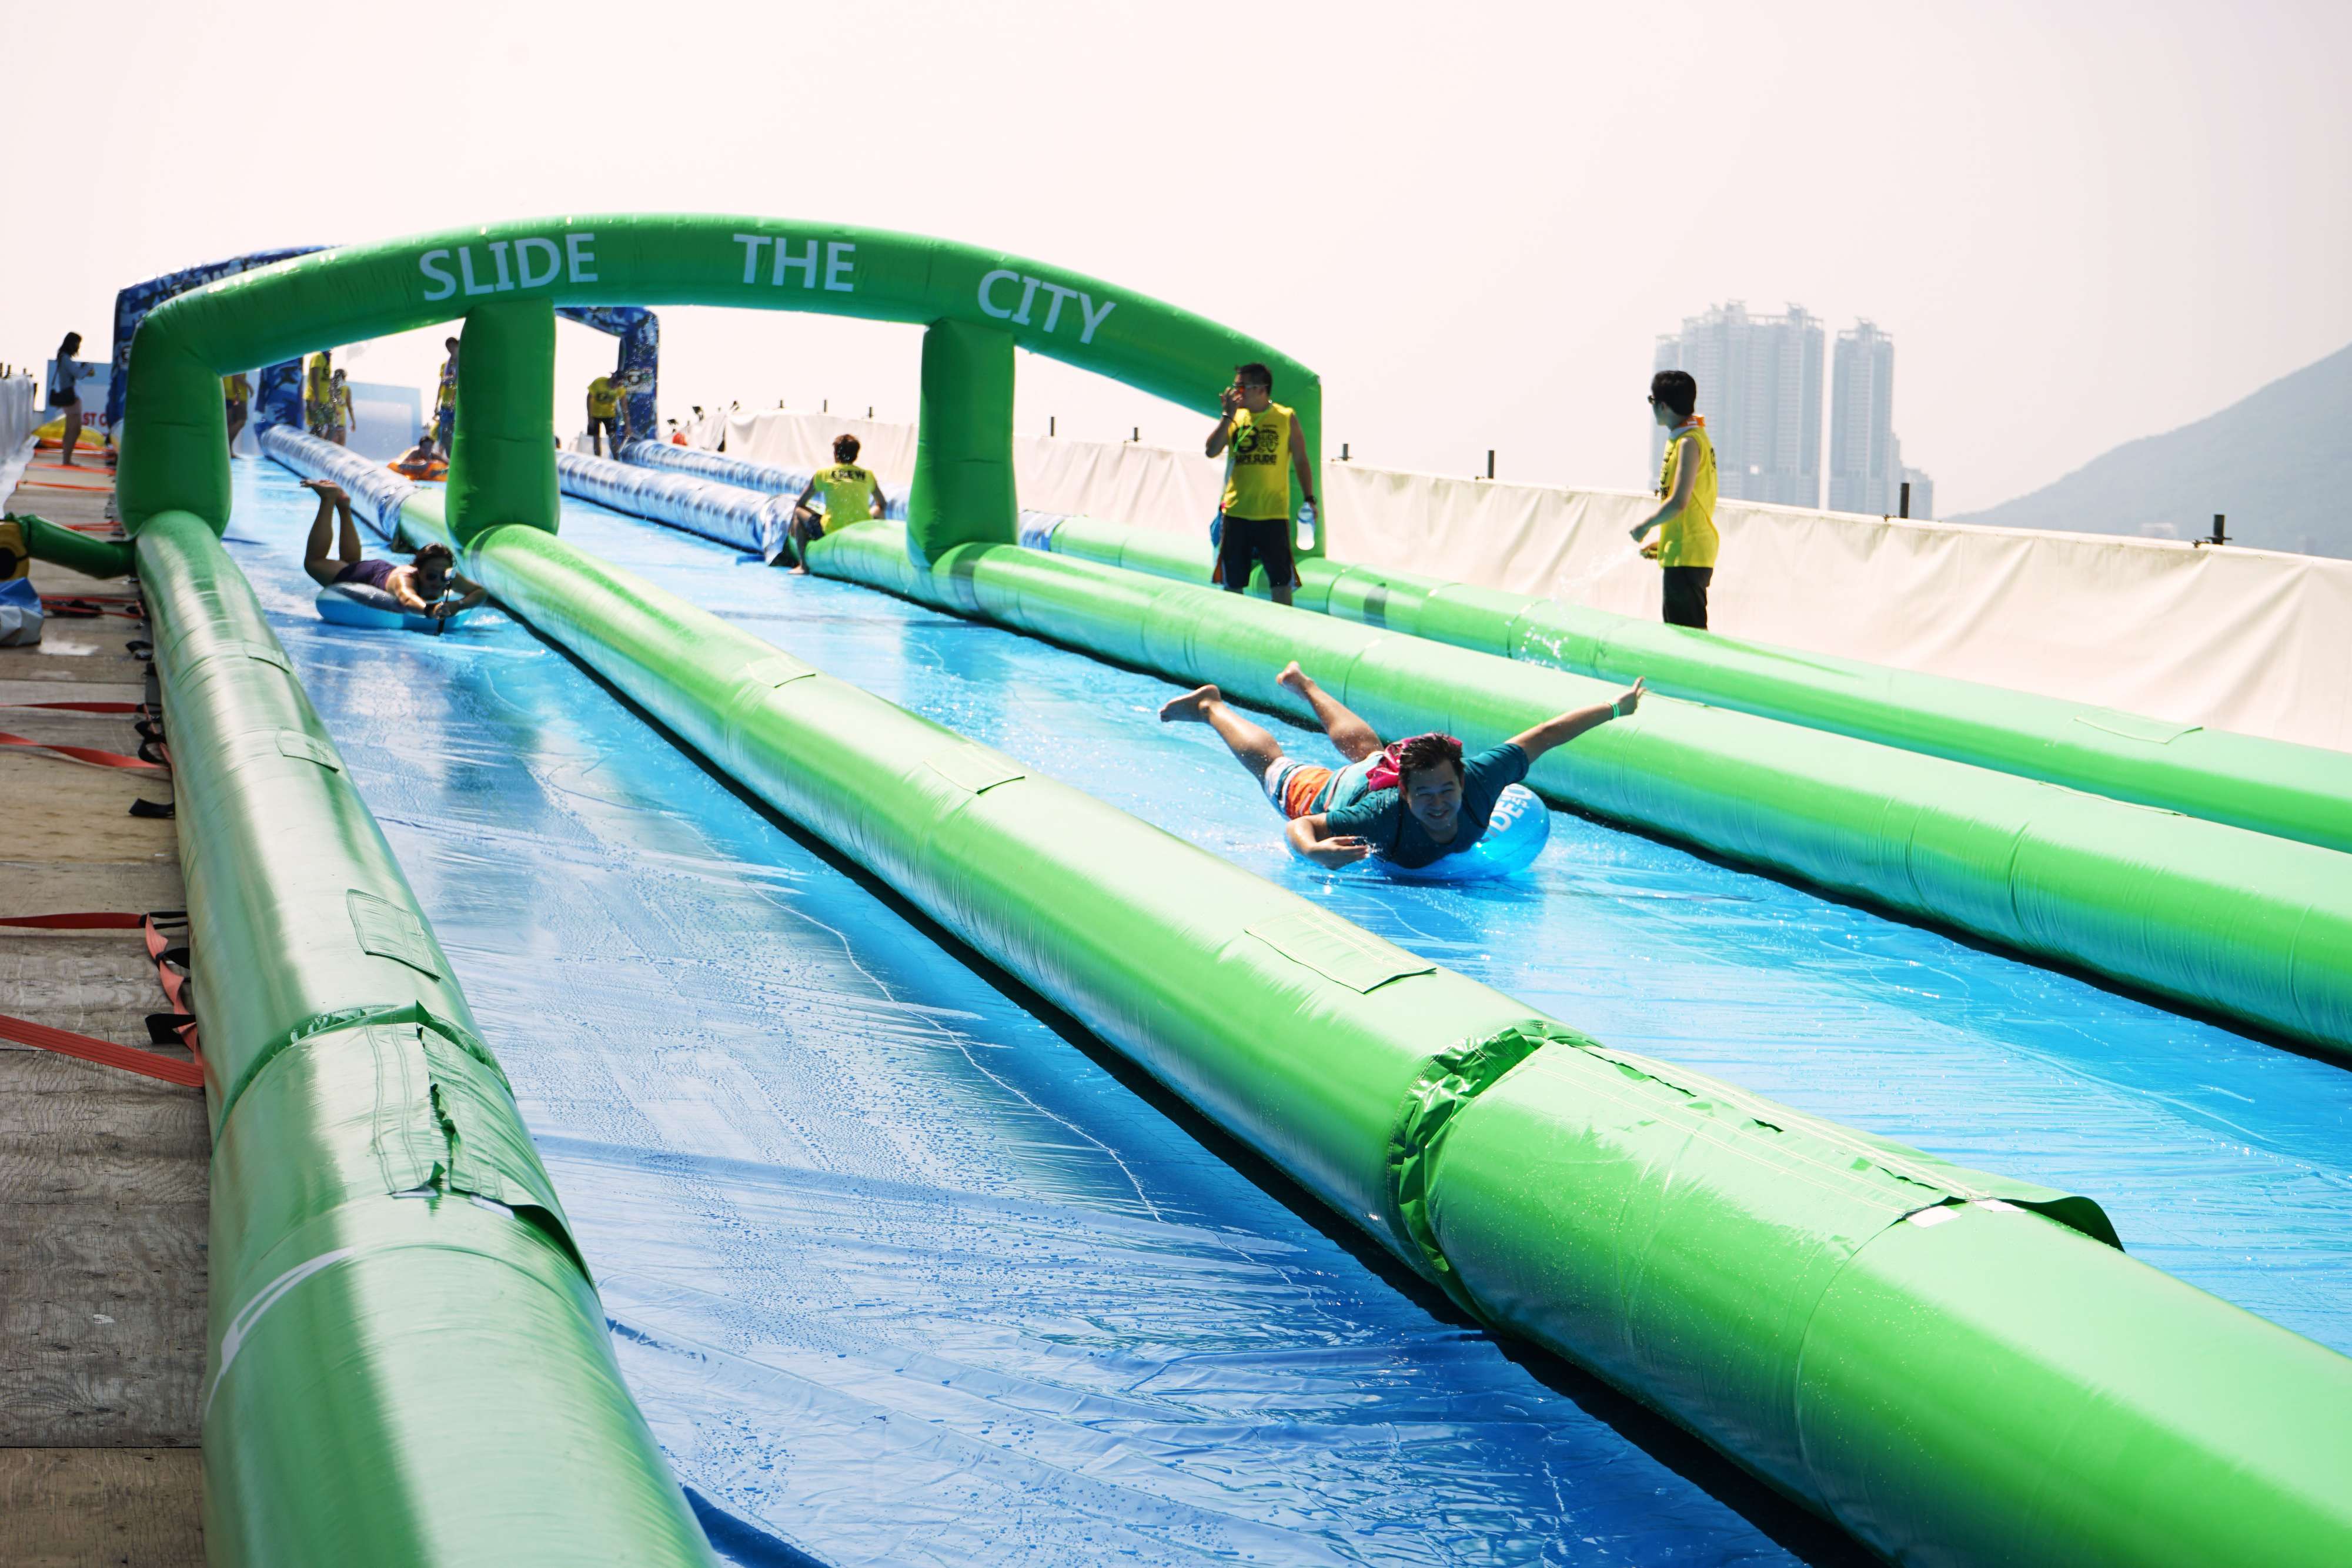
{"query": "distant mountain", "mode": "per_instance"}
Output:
(2278, 463)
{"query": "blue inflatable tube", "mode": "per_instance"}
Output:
(672, 458)
(1514, 835)
(357, 604)
(748, 519)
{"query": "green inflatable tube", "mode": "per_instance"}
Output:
(44, 540)
(2256, 927)
(2300, 792)
(1950, 1364)
(408, 1361)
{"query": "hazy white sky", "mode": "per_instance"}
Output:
(2081, 221)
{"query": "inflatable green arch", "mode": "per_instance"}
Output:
(506, 279)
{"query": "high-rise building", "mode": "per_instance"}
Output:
(1923, 492)
(1760, 388)
(1866, 459)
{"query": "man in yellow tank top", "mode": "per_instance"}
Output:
(1267, 447)
(1686, 542)
(852, 495)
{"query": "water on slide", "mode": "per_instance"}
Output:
(902, 1274)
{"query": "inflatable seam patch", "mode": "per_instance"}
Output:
(780, 671)
(388, 931)
(1449, 1081)
(973, 768)
(293, 743)
(1338, 950)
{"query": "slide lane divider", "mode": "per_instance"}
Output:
(2241, 923)
(409, 1361)
(2274, 786)
(1953, 1365)
(752, 520)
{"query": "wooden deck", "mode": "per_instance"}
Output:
(103, 1193)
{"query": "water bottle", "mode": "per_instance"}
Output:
(1306, 525)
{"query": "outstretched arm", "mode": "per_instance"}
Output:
(1309, 840)
(470, 593)
(1298, 461)
(1559, 731)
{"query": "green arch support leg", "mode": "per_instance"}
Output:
(962, 491)
(502, 456)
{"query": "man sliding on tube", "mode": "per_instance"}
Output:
(418, 585)
(1410, 804)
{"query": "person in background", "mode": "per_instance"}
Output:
(1268, 445)
(340, 415)
(445, 398)
(236, 399)
(1686, 542)
(318, 393)
(604, 412)
(64, 398)
(852, 495)
(676, 436)
(421, 461)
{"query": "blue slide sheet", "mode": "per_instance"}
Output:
(902, 1274)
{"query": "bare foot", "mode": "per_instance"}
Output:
(800, 571)
(1293, 677)
(1189, 708)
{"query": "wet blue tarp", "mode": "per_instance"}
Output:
(902, 1274)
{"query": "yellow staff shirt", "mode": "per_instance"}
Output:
(603, 398)
(1257, 484)
(848, 492)
(1689, 538)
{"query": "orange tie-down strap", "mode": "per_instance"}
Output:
(80, 707)
(170, 970)
(88, 755)
(105, 1052)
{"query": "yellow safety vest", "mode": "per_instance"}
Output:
(1257, 484)
(1689, 539)
(848, 492)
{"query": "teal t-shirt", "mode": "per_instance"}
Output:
(1380, 819)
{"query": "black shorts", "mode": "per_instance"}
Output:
(1685, 595)
(1248, 540)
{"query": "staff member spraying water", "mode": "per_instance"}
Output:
(852, 495)
(1267, 447)
(1686, 542)
(1412, 804)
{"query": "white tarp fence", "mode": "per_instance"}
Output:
(2253, 641)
